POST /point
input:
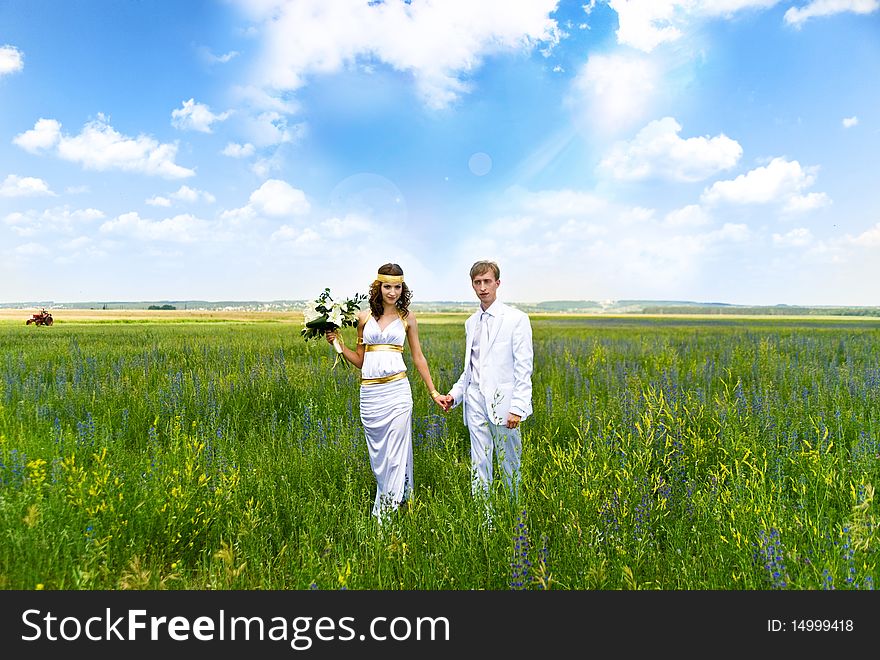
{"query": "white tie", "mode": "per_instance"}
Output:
(481, 340)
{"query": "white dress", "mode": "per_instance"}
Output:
(386, 413)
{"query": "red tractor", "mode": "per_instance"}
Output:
(43, 318)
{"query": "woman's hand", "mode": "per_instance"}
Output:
(442, 400)
(330, 335)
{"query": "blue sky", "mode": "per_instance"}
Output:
(707, 150)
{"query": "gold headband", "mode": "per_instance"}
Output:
(390, 279)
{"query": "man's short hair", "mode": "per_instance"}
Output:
(481, 267)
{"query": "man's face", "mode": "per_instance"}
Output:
(486, 287)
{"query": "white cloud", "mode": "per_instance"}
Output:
(554, 203)
(692, 215)
(513, 226)
(867, 239)
(11, 60)
(234, 150)
(439, 43)
(27, 186)
(261, 100)
(275, 198)
(226, 57)
(645, 24)
(800, 237)
(263, 167)
(658, 151)
(346, 226)
(613, 92)
(270, 128)
(849, 122)
(781, 181)
(58, 220)
(796, 16)
(100, 147)
(728, 8)
(192, 195)
(196, 117)
(183, 194)
(45, 134)
(184, 228)
(32, 250)
(77, 250)
(636, 215)
(304, 239)
(599, 245)
(239, 216)
(77, 243)
(729, 233)
(298, 237)
(278, 198)
(808, 202)
(209, 57)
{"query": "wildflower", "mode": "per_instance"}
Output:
(521, 565)
(770, 552)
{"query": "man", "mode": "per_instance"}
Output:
(495, 388)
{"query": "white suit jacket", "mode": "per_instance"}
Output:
(505, 364)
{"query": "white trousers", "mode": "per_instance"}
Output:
(488, 438)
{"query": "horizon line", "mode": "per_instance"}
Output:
(607, 302)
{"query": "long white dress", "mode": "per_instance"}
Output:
(386, 413)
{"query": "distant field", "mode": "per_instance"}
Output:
(184, 316)
(152, 316)
(220, 316)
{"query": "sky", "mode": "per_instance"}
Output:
(702, 150)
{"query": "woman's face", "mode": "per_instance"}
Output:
(391, 292)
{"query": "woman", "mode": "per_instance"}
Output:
(386, 398)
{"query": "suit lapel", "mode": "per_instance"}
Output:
(471, 335)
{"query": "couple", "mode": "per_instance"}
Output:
(494, 389)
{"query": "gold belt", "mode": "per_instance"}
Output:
(383, 379)
(384, 347)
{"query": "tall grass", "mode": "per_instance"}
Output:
(662, 454)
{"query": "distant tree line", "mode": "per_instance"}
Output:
(165, 307)
(781, 310)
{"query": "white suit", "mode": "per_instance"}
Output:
(504, 386)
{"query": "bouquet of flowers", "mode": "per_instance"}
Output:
(325, 314)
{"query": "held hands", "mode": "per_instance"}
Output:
(445, 401)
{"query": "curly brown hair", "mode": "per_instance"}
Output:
(376, 306)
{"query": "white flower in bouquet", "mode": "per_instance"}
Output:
(310, 314)
(324, 315)
(336, 316)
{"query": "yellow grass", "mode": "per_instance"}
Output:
(146, 315)
(87, 315)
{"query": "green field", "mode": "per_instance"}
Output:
(664, 453)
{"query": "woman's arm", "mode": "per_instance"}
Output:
(418, 358)
(356, 357)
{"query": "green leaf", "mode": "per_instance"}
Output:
(318, 323)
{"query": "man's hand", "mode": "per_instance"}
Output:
(513, 420)
(445, 401)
